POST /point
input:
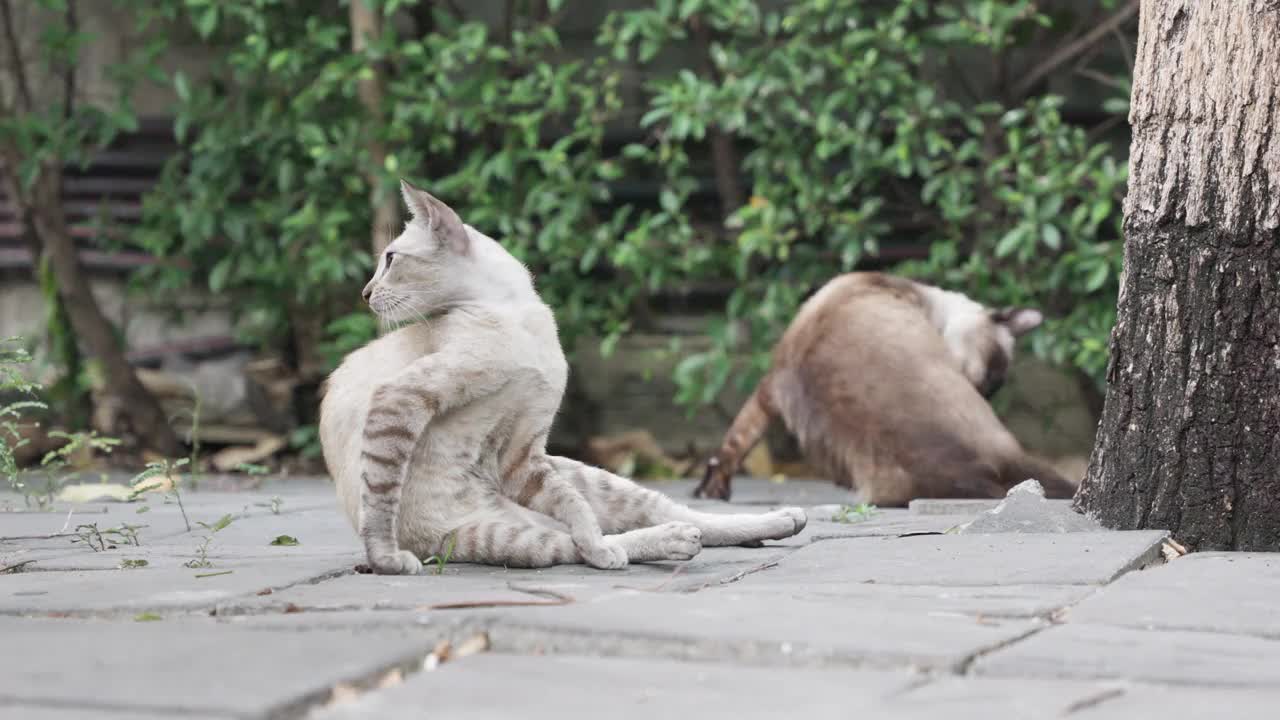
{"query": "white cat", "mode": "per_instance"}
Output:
(436, 433)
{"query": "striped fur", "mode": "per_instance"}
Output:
(436, 433)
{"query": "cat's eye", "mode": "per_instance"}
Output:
(390, 255)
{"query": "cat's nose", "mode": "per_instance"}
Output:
(366, 293)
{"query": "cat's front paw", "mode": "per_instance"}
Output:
(678, 541)
(604, 554)
(400, 562)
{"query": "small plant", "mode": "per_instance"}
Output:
(146, 617)
(442, 560)
(54, 465)
(108, 539)
(128, 564)
(854, 513)
(201, 560)
(287, 540)
(13, 355)
(167, 469)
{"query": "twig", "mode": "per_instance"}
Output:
(660, 586)
(1068, 52)
(54, 536)
(555, 599)
(215, 574)
(15, 566)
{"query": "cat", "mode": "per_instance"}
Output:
(436, 433)
(884, 382)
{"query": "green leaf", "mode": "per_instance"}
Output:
(146, 617)
(1097, 278)
(1010, 241)
(1051, 236)
(285, 540)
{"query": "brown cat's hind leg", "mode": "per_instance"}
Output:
(621, 505)
(747, 428)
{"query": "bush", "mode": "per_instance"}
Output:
(839, 117)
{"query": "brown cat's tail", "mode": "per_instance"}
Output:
(747, 428)
(1025, 466)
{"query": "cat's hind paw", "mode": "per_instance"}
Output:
(400, 562)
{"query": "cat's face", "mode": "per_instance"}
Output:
(987, 347)
(422, 270)
(980, 339)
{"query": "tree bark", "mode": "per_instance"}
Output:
(366, 28)
(42, 212)
(1190, 432)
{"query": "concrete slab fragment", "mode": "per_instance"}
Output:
(1218, 592)
(22, 711)
(177, 668)
(1025, 510)
(952, 506)
(568, 688)
(1073, 559)
(1083, 651)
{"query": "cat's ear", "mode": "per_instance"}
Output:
(1020, 321)
(432, 214)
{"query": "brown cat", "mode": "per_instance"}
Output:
(882, 380)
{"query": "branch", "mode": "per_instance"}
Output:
(15, 56)
(1068, 52)
(69, 74)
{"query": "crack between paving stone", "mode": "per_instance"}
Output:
(966, 664)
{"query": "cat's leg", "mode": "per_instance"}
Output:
(514, 541)
(747, 428)
(544, 490)
(399, 412)
(621, 505)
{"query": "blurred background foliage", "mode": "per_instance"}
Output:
(723, 155)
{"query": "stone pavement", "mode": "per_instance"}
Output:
(890, 615)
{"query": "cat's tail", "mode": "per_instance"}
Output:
(747, 429)
(1025, 466)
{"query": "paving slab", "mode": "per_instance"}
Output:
(1008, 601)
(1061, 559)
(158, 588)
(955, 506)
(978, 698)
(754, 629)
(181, 667)
(1085, 651)
(1218, 592)
(23, 711)
(566, 687)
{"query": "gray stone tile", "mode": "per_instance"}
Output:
(1074, 559)
(165, 586)
(978, 698)
(1220, 592)
(1180, 703)
(954, 506)
(60, 711)
(753, 629)
(994, 601)
(1082, 651)
(180, 667)
(566, 688)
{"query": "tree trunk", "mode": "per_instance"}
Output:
(42, 210)
(1190, 432)
(366, 28)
